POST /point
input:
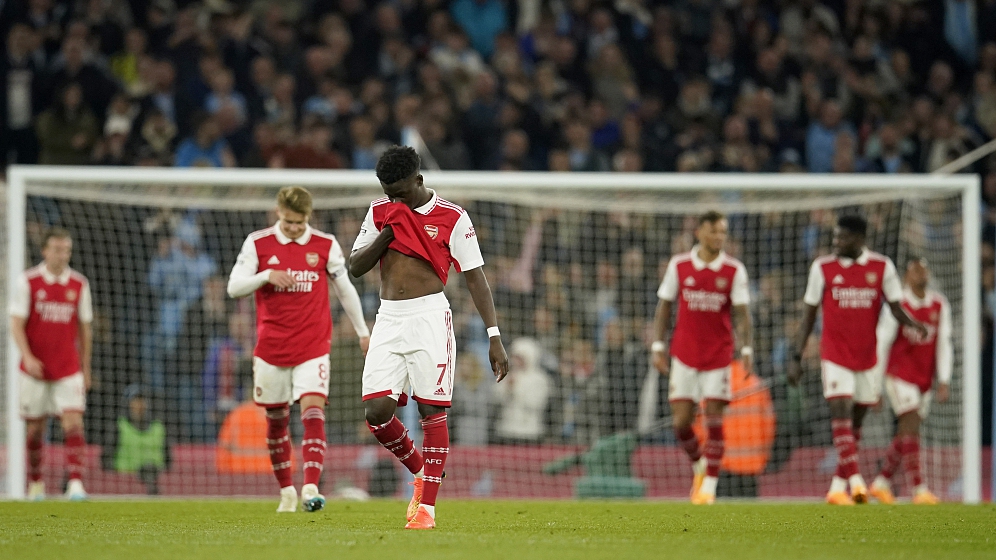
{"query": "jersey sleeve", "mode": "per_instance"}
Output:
(891, 286)
(885, 335)
(336, 265)
(945, 347)
(85, 310)
(246, 278)
(464, 248)
(668, 289)
(815, 285)
(740, 292)
(20, 298)
(368, 232)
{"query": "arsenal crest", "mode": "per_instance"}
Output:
(933, 316)
(312, 259)
(721, 283)
(433, 231)
(871, 277)
(70, 295)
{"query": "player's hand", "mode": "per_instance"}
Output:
(794, 371)
(943, 392)
(499, 359)
(33, 366)
(920, 328)
(661, 361)
(364, 344)
(281, 279)
(748, 363)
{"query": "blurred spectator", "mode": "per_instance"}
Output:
(20, 97)
(821, 138)
(140, 443)
(68, 130)
(524, 395)
(313, 150)
(206, 148)
(471, 413)
(482, 20)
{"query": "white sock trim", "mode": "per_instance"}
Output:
(430, 509)
(838, 484)
(420, 473)
(709, 485)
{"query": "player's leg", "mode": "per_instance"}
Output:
(272, 390)
(902, 402)
(684, 394)
(311, 389)
(69, 399)
(838, 389)
(910, 428)
(35, 406)
(715, 387)
(431, 373)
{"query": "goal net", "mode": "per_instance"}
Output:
(574, 262)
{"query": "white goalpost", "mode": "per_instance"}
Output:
(574, 261)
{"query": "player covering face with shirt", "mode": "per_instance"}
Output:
(416, 236)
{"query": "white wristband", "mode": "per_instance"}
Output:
(493, 332)
(747, 351)
(657, 346)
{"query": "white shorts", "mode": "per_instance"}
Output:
(689, 384)
(275, 385)
(906, 397)
(863, 387)
(40, 399)
(412, 347)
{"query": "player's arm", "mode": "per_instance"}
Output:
(812, 300)
(945, 353)
(246, 277)
(742, 324)
(480, 292)
(346, 292)
(885, 335)
(666, 294)
(85, 316)
(904, 318)
(892, 288)
(370, 246)
(20, 307)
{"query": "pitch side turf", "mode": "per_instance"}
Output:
(493, 529)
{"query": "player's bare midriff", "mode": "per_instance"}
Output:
(404, 277)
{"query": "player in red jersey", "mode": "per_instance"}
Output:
(288, 266)
(50, 316)
(910, 363)
(850, 284)
(415, 236)
(711, 289)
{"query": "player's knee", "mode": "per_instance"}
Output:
(278, 412)
(377, 414)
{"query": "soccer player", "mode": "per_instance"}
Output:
(850, 284)
(415, 236)
(711, 289)
(288, 266)
(50, 316)
(910, 362)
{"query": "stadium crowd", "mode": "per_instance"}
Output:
(887, 86)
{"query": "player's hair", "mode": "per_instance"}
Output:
(55, 233)
(295, 199)
(711, 217)
(397, 163)
(853, 223)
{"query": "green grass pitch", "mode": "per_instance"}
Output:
(510, 530)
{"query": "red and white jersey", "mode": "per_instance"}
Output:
(447, 224)
(706, 293)
(293, 325)
(851, 291)
(53, 307)
(906, 355)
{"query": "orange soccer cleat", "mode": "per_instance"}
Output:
(839, 499)
(882, 493)
(703, 499)
(422, 520)
(699, 471)
(416, 499)
(859, 494)
(925, 498)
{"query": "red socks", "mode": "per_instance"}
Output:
(394, 437)
(435, 447)
(313, 445)
(688, 442)
(35, 459)
(911, 459)
(74, 453)
(847, 450)
(278, 440)
(714, 444)
(892, 457)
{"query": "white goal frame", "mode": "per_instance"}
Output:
(968, 186)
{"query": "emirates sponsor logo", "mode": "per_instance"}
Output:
(854, 298)
(55, 311)
(701, 300)
(432, 230)
(914, 337)
(311, 259)
(304, 281)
